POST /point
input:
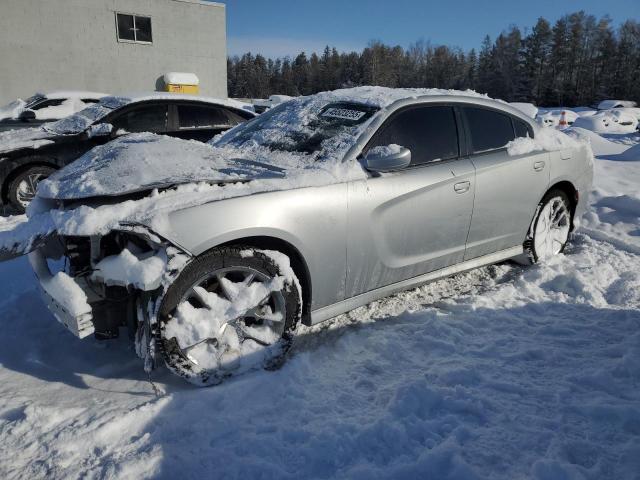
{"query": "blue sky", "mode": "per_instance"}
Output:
(279, 27)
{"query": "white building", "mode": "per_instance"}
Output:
(110, 46)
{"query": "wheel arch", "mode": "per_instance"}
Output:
(570, 191)
(22, 166)
(298, 264)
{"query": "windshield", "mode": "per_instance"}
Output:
(31, 101)
(304, 126)
(78, 122)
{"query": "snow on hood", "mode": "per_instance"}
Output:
(143, 161)
(24, 138)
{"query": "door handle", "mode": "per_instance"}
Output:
(462, 187)
(539, 166)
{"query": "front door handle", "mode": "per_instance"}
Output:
(539, 166)
(462, 187)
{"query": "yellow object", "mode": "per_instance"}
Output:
(175, 88)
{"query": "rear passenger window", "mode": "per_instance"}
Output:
(522, 129)
(194, 116)
(429, 132)
(149, 118)
(489, 129)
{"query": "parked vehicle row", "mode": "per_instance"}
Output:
(28, 156)
(410, 186)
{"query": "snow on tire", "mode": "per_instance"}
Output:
(231, 310)
(550, 229)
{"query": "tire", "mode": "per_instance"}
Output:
(549, 232)
(23, 187)
(206, 361)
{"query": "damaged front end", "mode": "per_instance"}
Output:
(99, 284)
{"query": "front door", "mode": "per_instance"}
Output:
(414, 221)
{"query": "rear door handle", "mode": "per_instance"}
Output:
(462, 187)
(539, 166)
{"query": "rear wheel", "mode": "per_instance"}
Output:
(230, 310)
(549, 232)
(22, 189)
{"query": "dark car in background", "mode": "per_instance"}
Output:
(28, 156)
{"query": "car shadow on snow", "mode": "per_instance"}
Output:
(35, 344)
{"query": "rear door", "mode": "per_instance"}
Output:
(202, 122)
(508, 187)
(410, 222)
(144, 117)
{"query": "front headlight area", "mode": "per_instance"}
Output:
(116, 271)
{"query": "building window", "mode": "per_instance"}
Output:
(133, 28)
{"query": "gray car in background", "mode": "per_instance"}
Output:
(441, 194)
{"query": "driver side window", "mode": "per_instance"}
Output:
(430, 132)
(149, 118)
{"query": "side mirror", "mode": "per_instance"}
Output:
(99, 130)
(387, 159)
(27, 115)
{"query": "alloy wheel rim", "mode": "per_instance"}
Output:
(251, 331)
(552, 228)
(27, 188)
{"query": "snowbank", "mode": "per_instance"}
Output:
(546, 139)
(599, 144)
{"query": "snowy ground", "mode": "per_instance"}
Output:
(505, 372)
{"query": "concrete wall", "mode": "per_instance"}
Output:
(50, 45)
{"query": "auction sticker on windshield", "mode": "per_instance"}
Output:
(344, 113)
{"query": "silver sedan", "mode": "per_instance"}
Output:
(449, 183)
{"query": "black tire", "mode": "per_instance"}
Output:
(533, 253)
(18, 197)
(211, 261)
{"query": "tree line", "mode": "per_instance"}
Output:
(578, 60)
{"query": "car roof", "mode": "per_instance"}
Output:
(74, 94)
(129, 98)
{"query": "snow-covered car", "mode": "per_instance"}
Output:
(618, 120)
(45, 107)
(609, 104)
(556, 118)
(213, 253)
(261, 105)
(28, 156)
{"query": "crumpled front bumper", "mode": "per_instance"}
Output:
(59, 297)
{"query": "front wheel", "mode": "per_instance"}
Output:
(230, 310)
(549, 232)
(22, 189)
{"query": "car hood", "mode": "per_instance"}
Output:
(145, 161)
(18, 139)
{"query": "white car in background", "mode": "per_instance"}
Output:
(261, 105)
(616, 120)
(45, 107)
(555, 118)
(609, 104)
